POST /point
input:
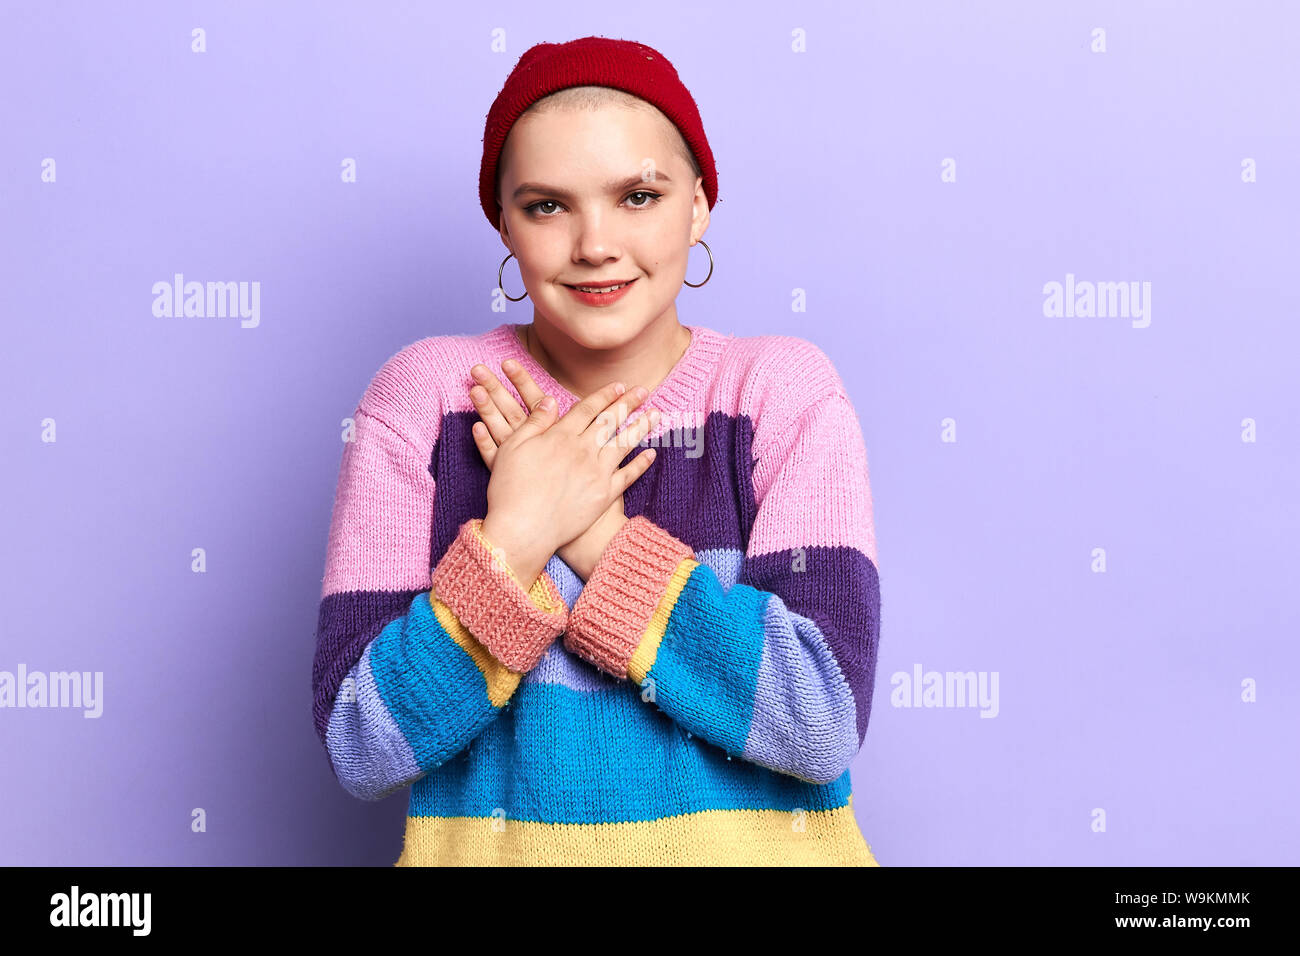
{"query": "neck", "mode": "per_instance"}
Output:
(644, 360)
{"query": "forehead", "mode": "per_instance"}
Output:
(568, 141)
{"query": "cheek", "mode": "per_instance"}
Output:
(541, 252)
(662, 251)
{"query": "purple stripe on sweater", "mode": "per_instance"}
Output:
(347, 622)
(702, 495)
(462, 481)
(725, 563)
(566, 582)
(561, 666)
(840, 591)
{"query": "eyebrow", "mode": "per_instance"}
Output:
(613, 186)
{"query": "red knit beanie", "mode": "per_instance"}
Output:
(591, 61)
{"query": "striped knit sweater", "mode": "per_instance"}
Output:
(698, 700)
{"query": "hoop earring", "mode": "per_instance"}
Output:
(696, 285)
(500, 272)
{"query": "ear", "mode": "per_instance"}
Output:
(699, 214)
(503, 229)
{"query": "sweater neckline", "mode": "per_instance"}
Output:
(672, 397)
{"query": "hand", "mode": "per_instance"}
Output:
(551, 480)
(500, 415)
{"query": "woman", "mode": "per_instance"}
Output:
(606, 654)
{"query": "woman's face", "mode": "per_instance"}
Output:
(599, 195)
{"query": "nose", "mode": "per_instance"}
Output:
(596, 241)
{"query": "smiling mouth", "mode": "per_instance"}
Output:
(602, 289)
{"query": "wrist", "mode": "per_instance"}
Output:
(577, 555)
(584, 553)
(571, 554)
(525, 558)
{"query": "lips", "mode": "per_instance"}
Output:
(602, 288)
(613, 293)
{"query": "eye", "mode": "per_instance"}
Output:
(651, 200)
(648, 199)
(533, 209)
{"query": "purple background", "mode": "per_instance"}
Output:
(1119, 691)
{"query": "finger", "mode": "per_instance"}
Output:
(523, 383)
(605, 408)
(634, 469)
(499, 428)
(605, 427)
(619, 445)
(584, 412)
(542, 417)
(500, 396)
(486, 446)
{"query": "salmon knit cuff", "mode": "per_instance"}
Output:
(618, 603)
(480, 588)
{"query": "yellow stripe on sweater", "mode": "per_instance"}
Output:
(501, 681)
(707, 838)
(643, 658)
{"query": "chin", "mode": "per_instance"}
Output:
(602, 332)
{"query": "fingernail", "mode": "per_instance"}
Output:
(547, 402)
(510, 365)
(619, 388)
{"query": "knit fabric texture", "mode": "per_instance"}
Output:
(697, 701)
(480, 588)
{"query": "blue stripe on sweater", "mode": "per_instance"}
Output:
(435, 693)
(761, 690)
(764, 683)
(706, 667)
(606, 756)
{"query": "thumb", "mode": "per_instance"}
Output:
(541, 418)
